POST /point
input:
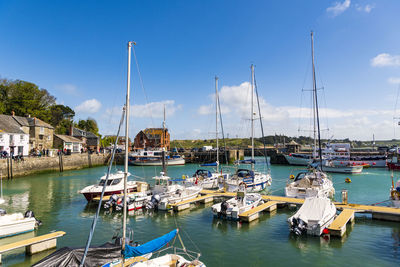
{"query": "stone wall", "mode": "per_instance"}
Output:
(33, 165)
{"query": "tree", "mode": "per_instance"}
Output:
(89, 125)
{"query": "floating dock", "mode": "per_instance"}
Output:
(337, 228)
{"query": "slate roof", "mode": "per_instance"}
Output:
(9, 125)
(67, 138)
(81, 133)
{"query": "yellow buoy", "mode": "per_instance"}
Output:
(291, 176)
(347, 180)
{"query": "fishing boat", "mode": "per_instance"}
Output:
(231, 208)
(114, 185)
(316, 214)
(395, 194)
(168, 191)
(255, 181)
(313, 182)
(16, 223)
(329, 166)
(310, 183)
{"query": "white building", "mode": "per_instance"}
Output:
(12, 138)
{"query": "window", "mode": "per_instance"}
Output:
(1, 136)
(11, 138)
(116, 181)
(41, 130)
(21, 137)
(49, 137)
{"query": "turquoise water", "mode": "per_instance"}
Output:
(54, 199)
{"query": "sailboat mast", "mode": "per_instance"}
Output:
(252, 117)
(128, 89)
(216, 119)
(316, 101)
(163, 147)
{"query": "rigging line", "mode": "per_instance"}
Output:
(261, 123)
(222, 131)
(141, 84)
(96, 216)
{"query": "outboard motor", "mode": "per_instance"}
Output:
(298, 226)
(3, 212)
(111, 202)
(30, 214)
(153, 203)
(224, 208)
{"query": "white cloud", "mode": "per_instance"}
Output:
(89, 106)
(367, 8)
(67, 88)
(149, 110)
(338, 8)
(385, 59)
(394, 80)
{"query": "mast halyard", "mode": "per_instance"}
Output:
(128, 88)
(252, 117)
(216, 120)
(316, 102)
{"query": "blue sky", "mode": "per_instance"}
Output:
(77, 51)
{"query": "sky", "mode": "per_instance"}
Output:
(77, 50)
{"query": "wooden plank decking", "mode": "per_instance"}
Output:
(338, 226)
(253, 214)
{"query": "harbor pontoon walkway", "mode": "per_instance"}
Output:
(253, 214)
(338, 226)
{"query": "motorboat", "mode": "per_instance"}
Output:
(395, 194)
(310, 183)
(135, 200)
(168, 191)
(329, 166)
(231, 208)
(254, 181)
(16, 223)
(173, 160)
(170, 260)
(115, 185)
(316, 214)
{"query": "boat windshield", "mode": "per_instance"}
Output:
(108, 182)
(300, 176)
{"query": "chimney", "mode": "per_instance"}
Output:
(70, 130)
(12, 113)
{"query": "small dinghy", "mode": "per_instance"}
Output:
(17, 223)
(230, 209)
(313, 217)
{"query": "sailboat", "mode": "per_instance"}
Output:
(254, 181)
(208, 179)
(121, 253)
(313, 182)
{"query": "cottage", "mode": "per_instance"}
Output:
(68, 143)
(89, 139)
(13, 140)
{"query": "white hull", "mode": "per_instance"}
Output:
(298, 161)
(373, 163)
(14, 224)
(169, 162)
(169, 260)
(175, 197)
(312, 184)
(260, 183)
(236, 206)
(343, 169)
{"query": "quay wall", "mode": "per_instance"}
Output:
(30, 165)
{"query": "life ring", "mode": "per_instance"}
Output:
(243, 183)
(291, 176)
(347, 180)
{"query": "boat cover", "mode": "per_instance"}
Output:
(150, 246)
(316, 209)
(71, 257)
(246, 161)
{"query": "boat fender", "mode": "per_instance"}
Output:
(3, 212)
(347, 180)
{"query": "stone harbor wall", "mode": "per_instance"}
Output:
(30, 165)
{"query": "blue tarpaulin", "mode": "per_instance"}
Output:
(150, 246)
(209, 164)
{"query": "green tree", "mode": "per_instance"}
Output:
(89, 125)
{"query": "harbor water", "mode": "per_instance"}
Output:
(55, 200)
